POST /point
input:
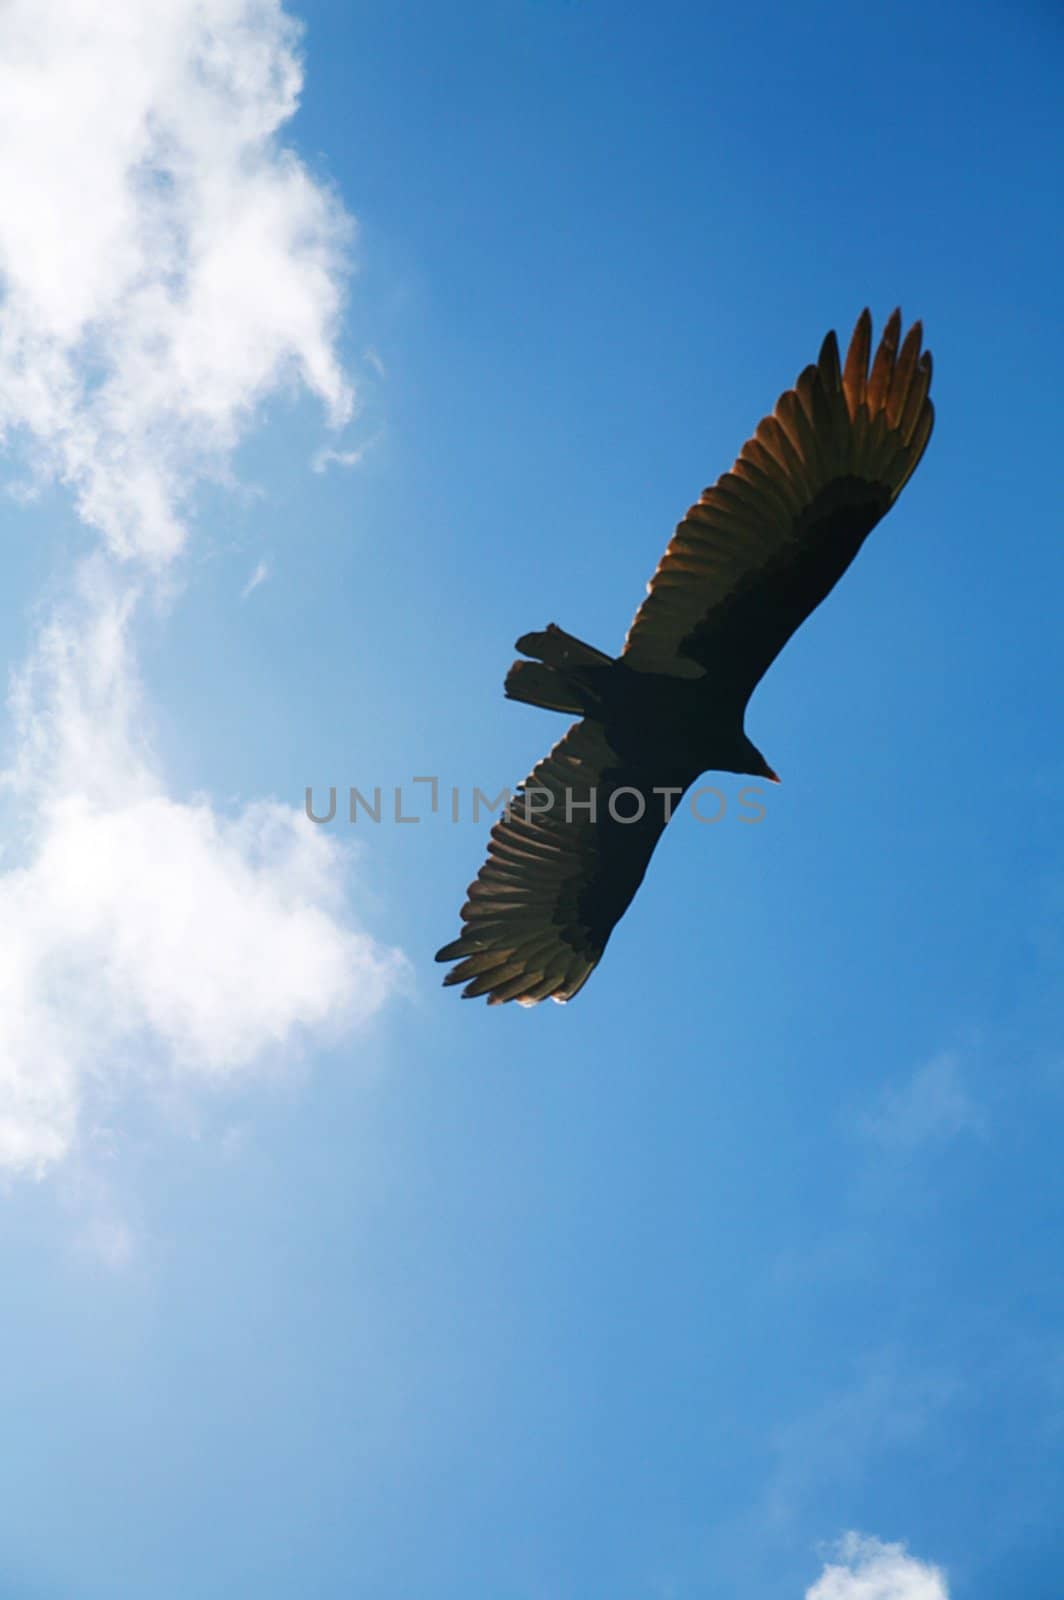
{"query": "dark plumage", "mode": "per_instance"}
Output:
(745, 567)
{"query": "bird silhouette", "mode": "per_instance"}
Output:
(751, 559)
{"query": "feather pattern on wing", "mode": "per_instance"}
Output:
(765, 544)
(560, 872)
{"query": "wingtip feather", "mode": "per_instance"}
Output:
(828, 360)
(855, 373)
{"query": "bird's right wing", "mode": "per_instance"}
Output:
(770, 539)
(562, 868)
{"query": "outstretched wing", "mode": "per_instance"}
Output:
(563, 865)
(771, 538)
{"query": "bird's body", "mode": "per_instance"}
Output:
(752, 558)
(660, 722)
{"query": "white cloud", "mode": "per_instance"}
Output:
(165, 264)
(259, 576)
(864, 1568)
(144, 929)
(932, 1105)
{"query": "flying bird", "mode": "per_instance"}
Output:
(749, 562)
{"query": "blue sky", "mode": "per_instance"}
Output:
(320, 1281)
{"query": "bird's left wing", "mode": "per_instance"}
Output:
(769, 539)
(562, 867)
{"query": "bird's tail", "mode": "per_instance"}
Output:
(555, 678)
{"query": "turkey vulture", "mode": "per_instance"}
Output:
(745, 567)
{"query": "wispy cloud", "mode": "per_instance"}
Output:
(259, 576)
(884, 1410)
(863, 1568)
(933, 1104)
(328, 457)
(165, 263)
